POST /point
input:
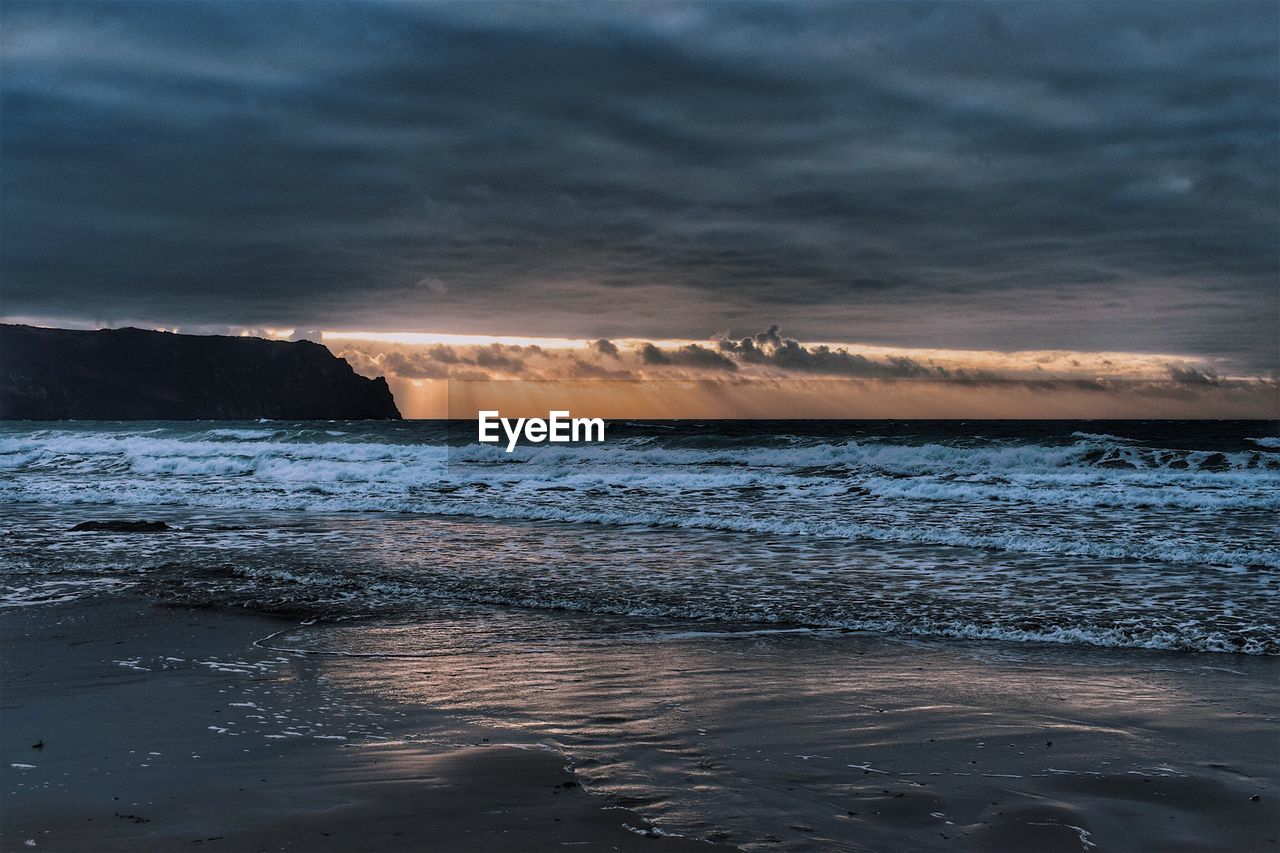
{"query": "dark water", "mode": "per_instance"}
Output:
(1136, 534)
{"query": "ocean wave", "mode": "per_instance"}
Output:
(1063, 541)
(1112, 638)
(243, 434)
(147, 454)
(391, 597)
(80, 469)
(1094, 497)
(1102, 436)
(1168, 551)
(1082, 492)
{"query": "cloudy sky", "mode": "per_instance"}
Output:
(1083, 177)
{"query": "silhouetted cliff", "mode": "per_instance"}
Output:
(132, 374)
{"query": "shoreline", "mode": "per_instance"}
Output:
(763, 741)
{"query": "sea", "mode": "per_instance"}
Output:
(1129, 534)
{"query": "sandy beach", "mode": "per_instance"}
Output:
(159, 757)
(175, 728)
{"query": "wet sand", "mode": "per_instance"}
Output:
(156, 757)
(499, 729)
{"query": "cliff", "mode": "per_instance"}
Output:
(132, 374)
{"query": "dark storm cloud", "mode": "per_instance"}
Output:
(1011, 175)
(1192, 376)
(604, 346)
(788, 354)
(689, 355)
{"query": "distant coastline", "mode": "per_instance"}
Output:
(135, 374)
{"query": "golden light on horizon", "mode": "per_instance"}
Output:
(431, 338)
(739, 398)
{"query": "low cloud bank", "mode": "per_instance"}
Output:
(751, 374)
(764, 355)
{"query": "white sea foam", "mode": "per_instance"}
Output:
(243, 434)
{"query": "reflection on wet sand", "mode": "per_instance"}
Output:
(834, 741)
